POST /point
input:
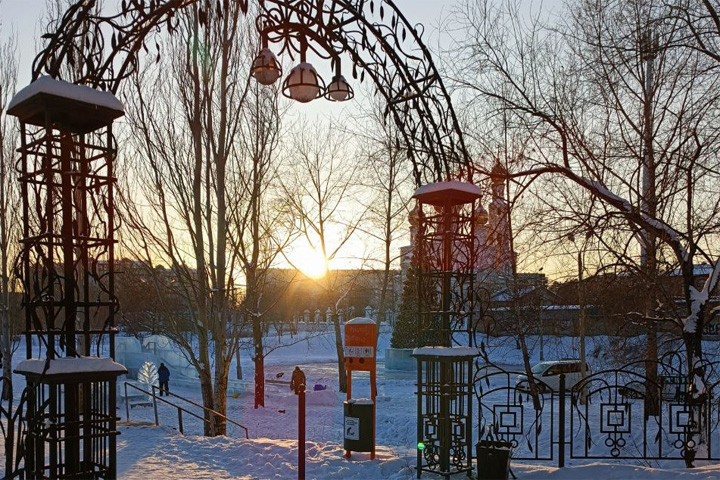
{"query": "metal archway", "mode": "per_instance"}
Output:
(103, 48)
(378, 38)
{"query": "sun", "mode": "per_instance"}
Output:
(309, 261)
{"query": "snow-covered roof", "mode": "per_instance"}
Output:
(61, 105)
(447, 351)
(360, 401)
(59, 88)
(698, 270)
(543, 307)
(70, 365)
(506, 295)
(360, 321)
(440, 192)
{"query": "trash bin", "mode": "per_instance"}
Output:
(358, 425)
(493, 459)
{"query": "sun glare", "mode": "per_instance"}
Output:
(309, 261)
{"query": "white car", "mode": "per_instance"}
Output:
(547, 375)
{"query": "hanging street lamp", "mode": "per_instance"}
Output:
(339, 89)
(303, 84)
(265, 67)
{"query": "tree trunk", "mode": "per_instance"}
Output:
(342, 378)
(4, 296)
(697, 389)
(5, 317)
(534, 391)
(220, 399)
(6, 351)
(208, 400)
(648, 241)
(382, 308)
(238, 365)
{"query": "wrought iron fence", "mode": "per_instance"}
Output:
(13, 428)
(602, 416)
(507, 413)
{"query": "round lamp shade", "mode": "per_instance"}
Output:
(339, 90)
(303, 83)
(266, 68)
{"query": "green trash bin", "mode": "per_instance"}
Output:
(493, 459)
(358, 425)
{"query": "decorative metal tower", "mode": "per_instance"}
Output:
(66, 176)
(445, 255)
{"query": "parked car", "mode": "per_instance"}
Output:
(673, 388)
(547, 375)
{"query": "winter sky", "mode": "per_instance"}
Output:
(24, 20)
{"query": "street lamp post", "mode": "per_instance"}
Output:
(581, 308)
(581, 319)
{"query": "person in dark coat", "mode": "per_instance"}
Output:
(164, 378)
(298, 378)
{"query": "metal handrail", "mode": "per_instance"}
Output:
(179, 408)
(205, 409)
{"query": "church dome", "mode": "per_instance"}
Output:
(498, 173)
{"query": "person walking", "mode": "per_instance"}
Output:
(164, 378)
(298, 378)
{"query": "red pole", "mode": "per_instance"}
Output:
(301, 432)
(373, 394)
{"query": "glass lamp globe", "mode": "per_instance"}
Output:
(266, 68)
(303, 83)
(339, 90)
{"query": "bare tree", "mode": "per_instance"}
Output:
(9, 214)
(259, 229)
(320, 188)
(389, 180)
(699, 24)
(641, 140)
(185, 115)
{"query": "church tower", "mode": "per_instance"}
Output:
(499, 234)
(492, 229)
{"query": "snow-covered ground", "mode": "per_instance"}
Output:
(149, 452)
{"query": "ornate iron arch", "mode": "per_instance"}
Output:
(105, 47)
